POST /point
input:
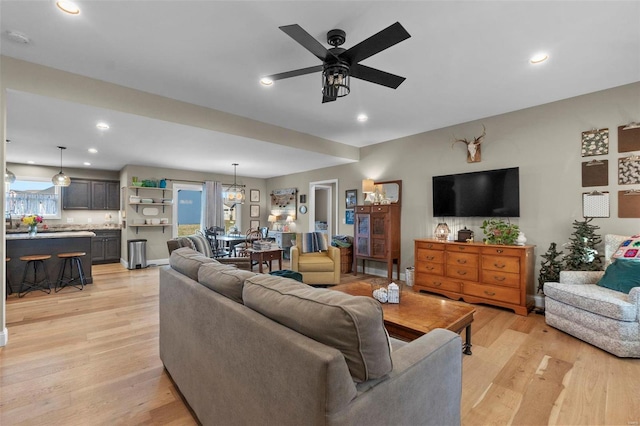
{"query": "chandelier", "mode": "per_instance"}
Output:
(61, 179)
(335, 80)
(234, 194)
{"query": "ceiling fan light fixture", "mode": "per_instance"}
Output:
(336, 80)
(61, 179)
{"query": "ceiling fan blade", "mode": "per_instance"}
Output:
(376, 76)
(305, 39)
(386, 38)
(295, 73)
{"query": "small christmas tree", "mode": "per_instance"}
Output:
(582, 254)
(550, 267)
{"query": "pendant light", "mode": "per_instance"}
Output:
(235, 193)
(61, 179)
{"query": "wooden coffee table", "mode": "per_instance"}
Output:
(262, 256)
(418, 314)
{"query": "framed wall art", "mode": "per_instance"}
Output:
(254, 195)
(303, 198)
(254, 224)
(351, 198)
(254, 210)
(629, 170)
(595, 142)
(349, 216)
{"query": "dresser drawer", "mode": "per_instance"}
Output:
(437, 283)
(462, 272)
(363, 209)
(424, 255)
(500, 278)
(462, 259)
(429, 245)
(379, 209)
(463, 248)
(490, 292)
(430, 268)
(501, 263)
(501, 251)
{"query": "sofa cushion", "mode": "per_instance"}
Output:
(629, 249)
(188, 261)
(315, 262)
(201, 244)
(592, 298)
(351, 324)
(621, 275)
(224, 279)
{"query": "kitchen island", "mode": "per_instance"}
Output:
(51, 243)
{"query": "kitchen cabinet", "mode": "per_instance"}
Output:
(477, 273)
(86, 194)
(105, 247)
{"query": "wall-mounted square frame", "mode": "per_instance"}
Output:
(351, 198)
(254, 224)
(595, 204)
(254, 210)
(303, 198)
(595, 142)
(629, 170)
(254, 195)
(349, 217)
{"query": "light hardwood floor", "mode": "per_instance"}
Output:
(91, 357)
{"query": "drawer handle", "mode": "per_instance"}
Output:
(499, 250)
(430, 268)
(461, 261)
(430, 257)
(462, 272)
(499, 278)
(500, 265)
(437, 284)
(461, 248)
(489, 293)
(429, 245)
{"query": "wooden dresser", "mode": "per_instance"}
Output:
(477, 273)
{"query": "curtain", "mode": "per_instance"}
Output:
(213, 208)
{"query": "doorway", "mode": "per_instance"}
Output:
(323, 207)
(187, 209)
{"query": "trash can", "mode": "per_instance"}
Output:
(408, 276)
(137, 253)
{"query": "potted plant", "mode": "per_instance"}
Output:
(497, 231)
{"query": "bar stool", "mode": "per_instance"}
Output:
(64, 280)
(35, 260)
(9, 290)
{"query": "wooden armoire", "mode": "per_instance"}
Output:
(376, 235)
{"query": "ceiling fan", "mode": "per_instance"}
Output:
(338, 64)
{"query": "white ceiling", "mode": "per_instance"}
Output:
(464, 61)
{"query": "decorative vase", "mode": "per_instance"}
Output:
(33, 230)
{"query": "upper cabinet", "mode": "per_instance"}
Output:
(91, 195)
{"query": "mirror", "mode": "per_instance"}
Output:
(388, 192)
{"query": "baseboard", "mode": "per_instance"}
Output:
(4, 337)
(150, 262)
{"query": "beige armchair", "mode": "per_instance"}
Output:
(320, 268)
(600, 316)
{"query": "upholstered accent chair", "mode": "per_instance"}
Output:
(316, 267)
(601, 316)
(201, 244)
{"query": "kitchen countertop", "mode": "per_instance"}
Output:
(67, 228)
(48, 235)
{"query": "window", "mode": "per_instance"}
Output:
(33, 196)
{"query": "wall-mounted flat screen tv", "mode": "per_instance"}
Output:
(490, 193)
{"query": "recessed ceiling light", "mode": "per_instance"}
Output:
(31, 162)
(102, 126)
(266, 81)
(362, 118)
(93, 150)
(18, 37)
(539, 58)
(68, 7)
(86, 163)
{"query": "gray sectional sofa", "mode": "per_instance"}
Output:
(254, 349)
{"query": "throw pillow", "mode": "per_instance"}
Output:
(202, 244)
(621, 275)
(351, 324)
(629, 249)
(314, 242)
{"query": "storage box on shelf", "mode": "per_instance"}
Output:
(148, 197)
(477, 273)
